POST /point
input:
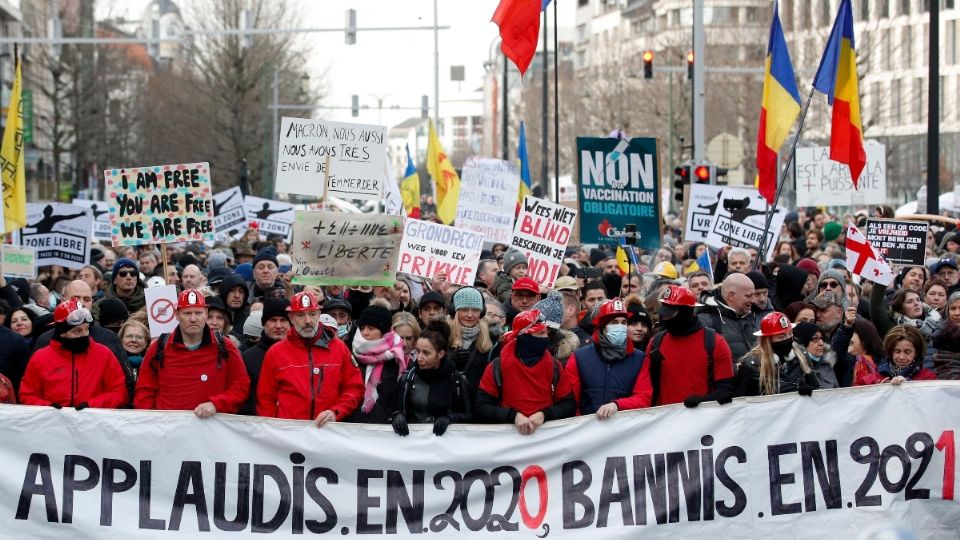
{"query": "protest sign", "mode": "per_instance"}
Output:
(392, 198)
(102, 229)
(488, 198)
(782, 466)
(160, 204)
(334, 248)
(229, 214)
(863, 259)
(59, 233)
(739, 218)
(618, 183)
(821, 181)
(901, 243)
(356, 153)
(701, 208)
(161, 312)
(18, 262)
(428, 249)
(269, 217)
(542, 232)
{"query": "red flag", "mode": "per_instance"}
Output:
(519, 22)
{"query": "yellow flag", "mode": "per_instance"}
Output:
(444, 177)
(11, 163)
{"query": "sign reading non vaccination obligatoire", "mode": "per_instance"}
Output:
(102, 229)
(335, 248)
(160, 204)
(542, 232)
(758, 468)
(618, 183)
(488, 198)
(59, 233)
(18, 262)
(429, 249)
(821, 181)
(901, 243)
(356, 153)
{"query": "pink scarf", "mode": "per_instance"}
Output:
(376, 353)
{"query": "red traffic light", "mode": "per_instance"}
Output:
(702, 172)
(682, 172)
(690, 57)
(648, 56)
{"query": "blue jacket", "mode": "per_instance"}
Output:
(602, 382)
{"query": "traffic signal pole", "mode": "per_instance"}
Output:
(699, 87)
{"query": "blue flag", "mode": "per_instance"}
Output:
(545, 4)
(703, 261)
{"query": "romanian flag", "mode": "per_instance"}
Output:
(12, 170)
(410, 188)
(779, 109)
(837, 78)
(525, 185)
(446, 181)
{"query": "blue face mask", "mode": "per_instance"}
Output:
(617, 334)
(343, 330)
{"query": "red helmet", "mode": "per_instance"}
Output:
(774, 324)
(72, 312)
(191, 298)
(675, 295)
(529, 322)
(609, 310)
(303, 302)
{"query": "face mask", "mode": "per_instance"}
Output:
(75, 345)
(530, 348)
(617, 334)
(782, 348)
(343, 330)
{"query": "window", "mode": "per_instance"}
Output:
(582, 32)
(904, 7)
(875, 102)
(752, 14)
(906, 42)
(885, 57)
(950, 42)
(943, 90)
(863, 49)
(920, 113)
(865, 10)
(786, 15)
(824, 12)
(895, 101)
(582, 3)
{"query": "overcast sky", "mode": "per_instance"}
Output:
(397, 66)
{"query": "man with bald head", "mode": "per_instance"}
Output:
(192, 277)
(728, 310)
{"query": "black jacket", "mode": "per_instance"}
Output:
(737, 330)
(237, 316)
(387, 391)
(428, 394)
(14, 354)
(253, 359)
(108, 339)
(791, 376)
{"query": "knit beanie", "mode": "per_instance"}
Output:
(378, 317)
(253, 326)
(809, 265)
(759, 282)
(831, 231)
(272, 307)
(597, 255)
(803, 333)
(123, 262)
(512, 258)
(551, 308)
(245, 271)
(216, 275)
(467, 298)
(113, 312)
(268, 253)
(217, 259)
(832, 274)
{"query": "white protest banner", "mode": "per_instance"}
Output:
(59, 233)
(821, 181)
(101, 218)
(701, 210)
(161, 309)
(784, 466)
(740, 220)
(356, 152)
(428, 249)
(160, 204)
(269, 217)
(488, 198)
(392, 198)
(18, 262)
(336, 248)
(229, 213)
(542, 232)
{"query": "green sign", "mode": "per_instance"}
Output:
(26, 99)
(618, 183)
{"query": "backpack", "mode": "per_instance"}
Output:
(222, 353)
(656, 359)
(498, 377)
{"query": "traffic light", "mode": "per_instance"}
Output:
(681, 175)
(690, 65)
(424, 107)
(350, 28)
(647, 64)
(701, 174)
(355, 105)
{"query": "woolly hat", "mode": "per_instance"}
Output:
(123, 262)
(809, 266)
(113, 312)
(217, 259)
(216, 275)
(253, 326)
(833, 274)
(597, 255)
(552, 308)
(245, 271)
(803, 333)
(378, 317)
(759, 282)
(467, 298)
(512, 258)
(268, 253)
(831, 231)
(272, 307)
(336, 303)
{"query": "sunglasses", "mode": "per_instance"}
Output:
(829, 285)
(817, 338)
(127, 273)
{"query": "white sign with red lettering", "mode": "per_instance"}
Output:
(541, 233)
(430, 249)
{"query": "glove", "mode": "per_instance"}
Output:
(400, 425)
(806, 389)
(440, 425)
(82, 406)
(724, 399)
(692, 402)
(56, 405)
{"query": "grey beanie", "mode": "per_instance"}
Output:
(834, 274)
(252, 327)
(216, 259)
(552, 308)
(512, 258)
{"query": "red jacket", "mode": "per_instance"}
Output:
(188, 378)
(527, 389)
(683, 372)
(56, 375)
(877, 377)
(300, 379)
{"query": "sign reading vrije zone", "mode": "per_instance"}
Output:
(618, 183)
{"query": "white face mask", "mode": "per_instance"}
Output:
(616, 333)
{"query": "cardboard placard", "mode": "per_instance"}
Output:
(488, 198)
(356, 153)
(901, 242)
(737, 217)
(59, 233)
(101, 218)
(270, 217)
(429, 249)
(542, 233)
(161, 309)
(160, 204)
(821, 181)
(334, 248)
(18, 262)
(229, 214)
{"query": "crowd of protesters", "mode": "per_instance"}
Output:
(504, 350)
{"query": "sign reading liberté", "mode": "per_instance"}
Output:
(356, 154)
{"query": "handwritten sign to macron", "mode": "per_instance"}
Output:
(356, 151)
(161, 204)
(335, 248)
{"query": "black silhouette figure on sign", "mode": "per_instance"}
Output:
(97, 212)
(743, 213)
(218, 206)
(45, 225)
(266, 212)
(712, 208)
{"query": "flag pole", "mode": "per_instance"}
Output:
(783, 179)
(556, 108)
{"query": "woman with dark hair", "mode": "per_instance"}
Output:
(935, 295)
(905, 347)
(787, 248)
(906, 309)
(799, 312)
(857, 343)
